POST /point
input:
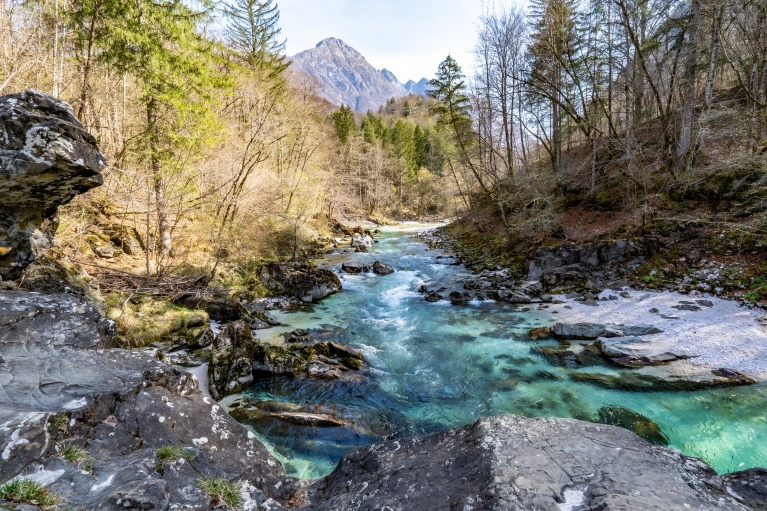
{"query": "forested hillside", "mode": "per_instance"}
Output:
(582, 118)
(212, 151)
(607, 119)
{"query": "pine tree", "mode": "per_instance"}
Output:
(344, 122)
(420, 147)
(253, 33)
(453, 110)
(449, 89)
(159, 43)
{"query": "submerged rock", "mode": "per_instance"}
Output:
(46, 159)
(300, 280)
(639, 424)
(326, 360)
(230, 369)
(516, 463)
(317, 420)
(543, 332)
(634, 381)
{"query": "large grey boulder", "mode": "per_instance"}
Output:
(46, 159)
(300, 280)
(515, 463)
(380, 268)
(362, 242)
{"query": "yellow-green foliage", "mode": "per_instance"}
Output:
(143, 320)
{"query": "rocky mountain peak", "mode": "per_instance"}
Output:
(345, 77)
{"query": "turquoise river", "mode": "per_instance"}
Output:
(435, 366)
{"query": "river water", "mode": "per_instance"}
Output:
(434, 366)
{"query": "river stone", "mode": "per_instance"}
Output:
(516, 463)
(635, 381)
(631, 346)
(380, 268)
(300, 280)
(230, 369)
(46, 159)
(458, 298)
(328, 360)
(596, 330)
(353, 268)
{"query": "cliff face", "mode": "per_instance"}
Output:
(345, 77)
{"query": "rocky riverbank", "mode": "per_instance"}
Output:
(698, 334)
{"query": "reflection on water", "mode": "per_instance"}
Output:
(438, 366)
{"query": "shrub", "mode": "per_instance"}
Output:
(221, 490)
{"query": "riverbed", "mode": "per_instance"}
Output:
(435, 366)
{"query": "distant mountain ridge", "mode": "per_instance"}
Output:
(346, 77)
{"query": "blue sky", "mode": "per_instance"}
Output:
(408, 37)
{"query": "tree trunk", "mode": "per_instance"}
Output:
(716, 28)
(685, 136)
(161, 203)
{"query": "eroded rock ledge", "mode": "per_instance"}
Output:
(61, 384)
(515, 463)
